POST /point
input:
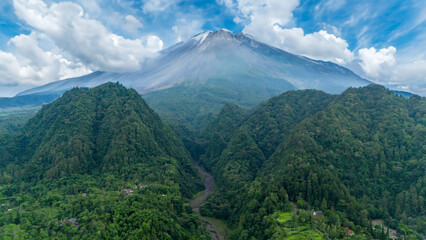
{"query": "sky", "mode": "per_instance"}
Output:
(46, 40)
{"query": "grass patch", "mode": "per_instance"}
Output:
(303, 232)
(294, 231)
(48, 212)
(284, 217)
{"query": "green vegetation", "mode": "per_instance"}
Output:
(100, 164)
(301, 232)
(12, 120)
(220, 228)
(194, 104)
(97, 164)
(355, 156)
(27, 101)
(284, 217)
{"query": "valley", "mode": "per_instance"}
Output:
(216, 138)
(216, 228)
(261, 173)
(209, 186)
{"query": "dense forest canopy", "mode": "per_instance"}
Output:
(100, 164)
(356, 156)
(12, 120)
(97, 163)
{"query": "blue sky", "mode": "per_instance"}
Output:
(46, 40)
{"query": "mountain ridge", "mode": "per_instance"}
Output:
(359, 156)
(97, 163)
(84, 133)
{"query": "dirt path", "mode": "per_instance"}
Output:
(197, 202)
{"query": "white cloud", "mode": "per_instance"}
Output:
(265, 14)
(83, 38)
(268, 22)
(329, 5)
(331, 29)
(377, 63)
(319, 45)
(414, 70)
(28, 53)
(132, 24)
(154, 43)
(156, 6)
(382, 66)
(66, 42)
(10, 69)
(412, 74)
(272, 22)
(237, 20)
(91, 6)
(185, 29)
(227, 3)
(31, 65)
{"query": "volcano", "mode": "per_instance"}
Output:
(237, 59)
(198, 76)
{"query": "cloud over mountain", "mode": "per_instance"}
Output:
(269, 22)
(374, 62)
(31, 65)
(273, 22)
(80, 36)
(86, 39)
(65, 42)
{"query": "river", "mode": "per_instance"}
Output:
(197, 202)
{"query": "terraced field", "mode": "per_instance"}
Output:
(285, 220)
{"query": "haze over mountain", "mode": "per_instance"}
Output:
(218, 59)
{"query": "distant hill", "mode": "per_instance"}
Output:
(13, 119)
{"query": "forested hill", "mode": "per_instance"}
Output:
(356, 156)
(100, 157)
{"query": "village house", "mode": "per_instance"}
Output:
(8, 210)
(318, 213)
(349, 232)
(128, 192)
(72, 221)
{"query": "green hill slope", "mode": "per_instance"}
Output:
(75, 159)
(356, 156)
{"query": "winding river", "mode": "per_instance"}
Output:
(197, 202)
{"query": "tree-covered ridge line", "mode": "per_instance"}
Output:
(357, 156)
(97, 164)
(12, 120)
